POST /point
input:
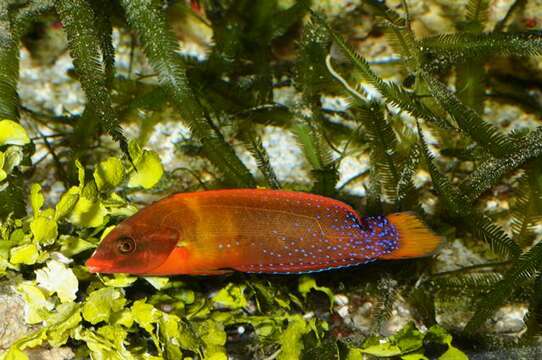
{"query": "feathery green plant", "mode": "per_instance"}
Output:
(160, 48)
(485, 134)
(78, 19)
(9, 62)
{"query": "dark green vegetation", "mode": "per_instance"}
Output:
(232, 92)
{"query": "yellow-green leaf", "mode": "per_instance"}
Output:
(148, 171)
(88, 213)
(72, 245)
(13, 156)
(109, 173)
(307, 284)
(218, 356)
(158, 282)
(36, 198)
(135, 151)
(80, 173)
(119, 280)
(291, 339)
(60, 324)
(231, 296)
(12, 133)
(354, 354)
(100, 346)
(3, 174)
(453, 354)
(45, 230)
(414, 357)
(24, 254)
(145, 315)
(101, 303)
(37, 302)
(67, 202)
(383, 350)
(171, 335)
(15, 354)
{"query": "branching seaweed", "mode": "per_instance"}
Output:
(160, 48)
(9, 63)
(78, 19)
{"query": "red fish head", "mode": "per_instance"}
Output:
(134, 247)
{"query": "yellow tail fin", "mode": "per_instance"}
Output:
(415, 238)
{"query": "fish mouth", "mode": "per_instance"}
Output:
(99, 266)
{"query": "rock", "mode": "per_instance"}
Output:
(62, 353)
(12, 326)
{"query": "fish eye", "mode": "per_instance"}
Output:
(126, 245)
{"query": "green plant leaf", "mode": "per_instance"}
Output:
(37, 301)
(307, 284)
(145, 315)
(101, 303)
(465, 46)
(291, 339)
(455, 202)
(24, 254)
(171, 335)
(14, 353)
(319, 156)
(3, 173)
(490, 171)
(88, 213)
(213, 337)
(12, 133)
(109, 174)
(104, 343)
(158, 282)
(61, 323)
(67, 202)
(257, 150)
(12, 197)
(453, 354)
(36, 199)
(73, 245)
(382, 350)
(44, 230)
(148, 172)
(393, 93)
(232, 297)
(119, 280)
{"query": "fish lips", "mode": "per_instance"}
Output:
(95, 265)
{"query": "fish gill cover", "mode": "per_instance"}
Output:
(425, 125)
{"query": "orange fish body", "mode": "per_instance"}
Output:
(263, 231)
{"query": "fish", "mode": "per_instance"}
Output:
(256, 231)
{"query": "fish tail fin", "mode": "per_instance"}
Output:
(415, 238)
